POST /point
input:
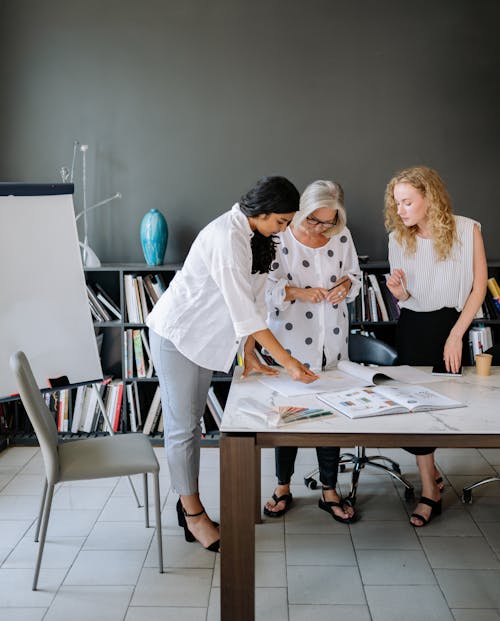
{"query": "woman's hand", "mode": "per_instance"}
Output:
(253, 364)
(312, 294)
(396, 283)
(299, 372)
(452, 354)
(339, 293)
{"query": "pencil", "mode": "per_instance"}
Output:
(404, 288)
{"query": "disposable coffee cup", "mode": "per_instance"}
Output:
(483, 364)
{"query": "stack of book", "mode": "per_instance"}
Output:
(141, 294)
(87, 415)
(137, 354)
(375, 302)
(102, 306)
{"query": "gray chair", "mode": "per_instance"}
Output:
(87, 458)
(368, 350)
(467, 491)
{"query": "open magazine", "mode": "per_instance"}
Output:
(347, 375)
(276, 416)
(387, 399)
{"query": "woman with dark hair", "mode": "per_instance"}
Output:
(214, 303)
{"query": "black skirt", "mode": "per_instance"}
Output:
(420, 340)
(420, 337)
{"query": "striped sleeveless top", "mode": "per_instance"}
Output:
(433, 283)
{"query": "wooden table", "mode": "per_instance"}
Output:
(476, 426)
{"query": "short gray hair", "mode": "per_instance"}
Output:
(320, 194)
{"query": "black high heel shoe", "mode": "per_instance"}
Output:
(436, 508)
(188, 535)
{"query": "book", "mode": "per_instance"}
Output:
(379, 400)
(145, 342)
(153, 413)
(108, 301)
(142, 298)
(277, 416)
(96, 304)
(131, 408)
(78, 409)
(150, 290)
(214, 406)
(378, 294)
(139, 353)
(131, 301)
(493, 287)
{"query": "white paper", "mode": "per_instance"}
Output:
(329, 381)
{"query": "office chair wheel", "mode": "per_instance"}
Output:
(310, 483)
(467, 497)
(409, 493)
(342, 468)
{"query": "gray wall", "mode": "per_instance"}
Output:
(185, 103)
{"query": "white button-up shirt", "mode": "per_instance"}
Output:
(215, 300)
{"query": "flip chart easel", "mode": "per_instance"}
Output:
(44, 309)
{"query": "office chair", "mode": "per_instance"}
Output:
(88, 458)
(467, 491)
(369, 351)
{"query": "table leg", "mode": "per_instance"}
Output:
(258, 509)
(237, 489)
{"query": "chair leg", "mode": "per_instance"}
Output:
(40, 513)
(467, 491)
(392, 464)
(43, 533)
(409, 489)
(146, 498)
(156, 478)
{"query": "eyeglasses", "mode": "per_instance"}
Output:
(315, 222)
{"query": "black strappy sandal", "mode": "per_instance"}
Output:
(286, 498)
(327, 505)
(436, 508)
(182, 514)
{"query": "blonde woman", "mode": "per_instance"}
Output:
(314, 275)
(439, 275)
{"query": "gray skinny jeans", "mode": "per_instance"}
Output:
(184, 389)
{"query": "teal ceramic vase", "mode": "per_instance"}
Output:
(154, 237)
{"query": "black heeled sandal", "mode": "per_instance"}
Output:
(436, 508)
(182, 514)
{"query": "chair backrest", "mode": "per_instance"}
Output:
(38, 413)
(371, 351)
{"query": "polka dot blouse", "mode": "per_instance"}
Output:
(306, 329)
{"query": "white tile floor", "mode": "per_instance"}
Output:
(100, 561)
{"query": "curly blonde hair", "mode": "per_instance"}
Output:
(320, 194)
(439, 211)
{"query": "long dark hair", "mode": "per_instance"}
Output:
(268, 195)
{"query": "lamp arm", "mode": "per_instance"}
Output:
(106, 200)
